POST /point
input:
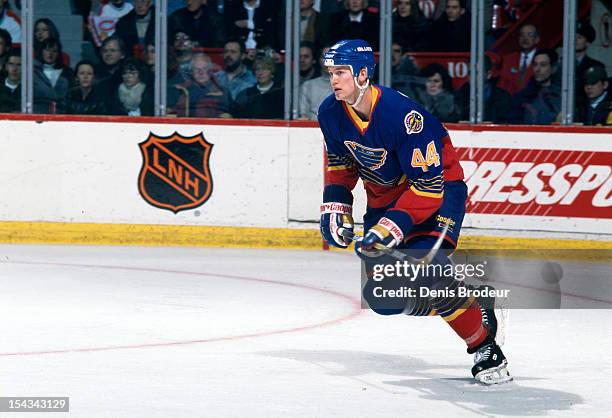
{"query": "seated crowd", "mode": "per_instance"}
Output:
(520, 88)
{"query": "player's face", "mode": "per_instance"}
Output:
(85, 76)
(434, 84)
(593, 91)
(342, 83)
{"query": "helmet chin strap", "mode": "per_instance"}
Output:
(362, 90)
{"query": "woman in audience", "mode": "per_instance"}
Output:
(437, 96)
(132, 97)
(44, 29)
(51, 78)
(410, 29)
(85, 98)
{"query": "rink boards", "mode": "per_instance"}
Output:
(239, 183)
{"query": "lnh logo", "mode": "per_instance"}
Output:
(175, 173)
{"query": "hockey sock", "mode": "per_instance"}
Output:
(467, 323)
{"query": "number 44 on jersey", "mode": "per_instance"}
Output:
(431, 157)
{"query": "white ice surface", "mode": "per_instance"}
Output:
(167, 332)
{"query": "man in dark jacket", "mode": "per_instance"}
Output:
(585, 36)
(356, 22)
(540, 102)
(451, 31)
(10, 87)
(597, 110)
(137, 27)
(202, 22)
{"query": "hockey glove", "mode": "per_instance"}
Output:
(336, 215)
(389, 232)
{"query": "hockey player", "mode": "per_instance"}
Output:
(414, 185)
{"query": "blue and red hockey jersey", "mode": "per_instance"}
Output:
(402, 153)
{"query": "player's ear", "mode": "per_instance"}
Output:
(363, 75)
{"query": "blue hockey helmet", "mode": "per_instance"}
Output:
(354, 53)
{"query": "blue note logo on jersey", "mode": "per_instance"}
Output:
(413, 122)
(372, 158)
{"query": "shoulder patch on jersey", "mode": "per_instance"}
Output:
(372, 158)
(413, 122)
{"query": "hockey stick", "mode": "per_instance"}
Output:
(398, 254)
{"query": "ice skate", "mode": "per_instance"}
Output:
(490, 365)
(494, 316)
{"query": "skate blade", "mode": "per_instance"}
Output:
(494, 376)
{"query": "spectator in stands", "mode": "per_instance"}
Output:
(410, 29)
(313, 25)
(235, 77)
(10, 22)
(451, 32)
(201, 21)
(149, 62)
(253, 21)
(597, 110)
(265, 100)
(51, 78)
(437, 97)
(403, 72)
(585, 35)
(43, 29)
(497, 102)
(308, 63)
(85, 97)
(10, 86)
(180, 55)
(331, 6)
(516, 69)
(313, 92)
(539, 102)
(356, 22)
(201, 95)
(102, 24)
(6, 44)
(132, 98)
(137, 27)
(108, 71)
